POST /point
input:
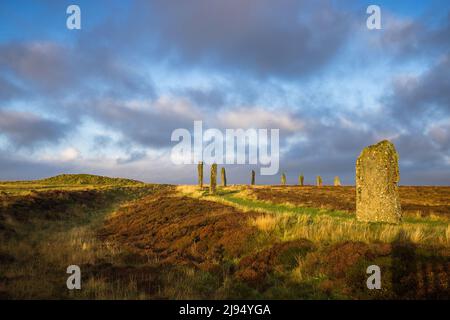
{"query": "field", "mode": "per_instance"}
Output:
(144, 241)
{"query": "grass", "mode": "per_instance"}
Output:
(73, 180)
(64, 182)
(35, 257)
(87, 179)
(268, 207)
(292, 251)
(288, 222)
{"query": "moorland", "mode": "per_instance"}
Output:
(134, 240)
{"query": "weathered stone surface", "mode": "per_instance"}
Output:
(283, 179)
(213, 180)
(301, 180)
(377, 177)
(337, 181)
(223, 176)
(200, 174)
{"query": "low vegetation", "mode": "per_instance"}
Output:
(44, 230)
(142, 241)
(421, 243)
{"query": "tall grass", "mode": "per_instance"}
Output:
(447, 234)
(42, 249)
(288, 222)
(327, 229)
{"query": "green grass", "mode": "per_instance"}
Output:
(65, 182)
(287, 222)
(234, 197)
(74, 179)
(86, 179)
(281, 208)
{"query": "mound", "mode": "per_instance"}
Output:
(88, 179)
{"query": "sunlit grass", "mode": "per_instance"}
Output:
(41, 249)
(289, 222)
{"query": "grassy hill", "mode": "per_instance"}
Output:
(65, 182)
(86, 179)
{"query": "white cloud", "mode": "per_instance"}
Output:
(256, 117)
(70, 154)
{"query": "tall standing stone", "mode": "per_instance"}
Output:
(337, 181)
(319, 181)
(200, 174)
(223, 177)
(213, 179)
(253, 177)
(283, 179)
(377, 177)
(301, 180)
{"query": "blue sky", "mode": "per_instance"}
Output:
(105, 99)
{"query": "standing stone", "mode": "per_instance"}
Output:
(223, 176)
(200, 174)
(337, 181)
(319, 181)
(377, 177)
(283, 179)
(301, 180)
(213, 180)
(253, 177)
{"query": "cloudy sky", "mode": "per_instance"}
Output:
(105, 99)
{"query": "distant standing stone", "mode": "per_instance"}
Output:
(377, 177)
(301, 180)
(319, 181)
(337, 181)
(200, 174)
(283, 179)
(223, 176)
(213, 179)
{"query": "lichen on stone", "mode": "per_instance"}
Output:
(377, 177)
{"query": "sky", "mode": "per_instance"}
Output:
(105, 99)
